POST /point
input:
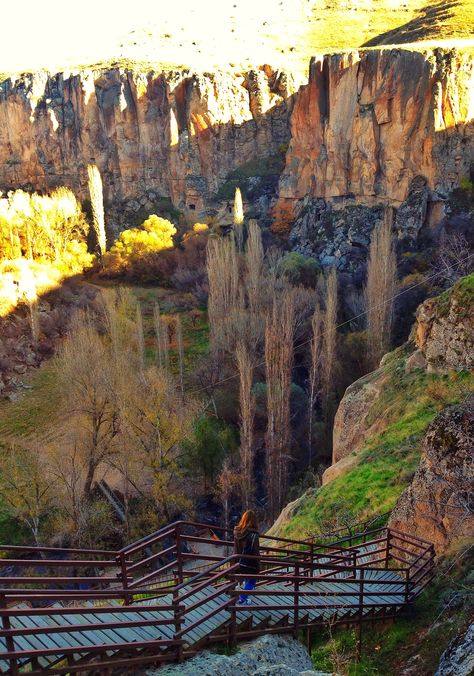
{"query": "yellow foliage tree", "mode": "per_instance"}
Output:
(154, 235)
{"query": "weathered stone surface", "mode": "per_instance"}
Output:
(458, 658)
(350, 423)
(370, 122)
(438, 505)
(444, 329)
(176, 134)
(270, 654)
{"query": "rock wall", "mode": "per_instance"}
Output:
(444, 329)
(369, 122)
(174, 134)
(439, 503)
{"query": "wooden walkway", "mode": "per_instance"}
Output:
(144, 605)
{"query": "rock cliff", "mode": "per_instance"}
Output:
(174, 134)
(369, 122)
(439, 503)
(444, 330)
(370, 128)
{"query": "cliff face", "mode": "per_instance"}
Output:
(368, 124)
(438, 505)
(370, 128)
(175, 134)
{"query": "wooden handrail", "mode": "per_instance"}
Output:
(338, 571)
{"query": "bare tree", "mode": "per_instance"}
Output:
(228, 484)
(26, 489)
(97, 203)
(90, 421)
(162, 338)
(224, 297)
(180, 351)
(254, 266)
(279, 361)
(245, 365)
(380, 290)
(329, 342)
(314, 373)
(140, 337)
(455, 257)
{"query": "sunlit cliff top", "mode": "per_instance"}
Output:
(219, 33)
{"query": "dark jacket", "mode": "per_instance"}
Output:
(247, 543)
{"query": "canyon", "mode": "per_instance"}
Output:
(370, 128)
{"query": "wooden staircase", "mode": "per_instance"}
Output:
(162, 599)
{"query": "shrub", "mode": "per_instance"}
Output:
(299, 269)
(154, 235)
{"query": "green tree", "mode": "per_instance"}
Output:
(212, 441)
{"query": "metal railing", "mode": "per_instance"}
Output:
(166, 571)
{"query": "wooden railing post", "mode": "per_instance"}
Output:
(407, 585)
(9, 640)
(296, 600)
(122, 563)
(179, 558)
(232, 640)
(387, 547)
(361, 614)
(178, 620)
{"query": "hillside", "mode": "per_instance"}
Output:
(419, 405)
(407, 394)
(241, 34)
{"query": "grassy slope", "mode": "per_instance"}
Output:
(407, 404)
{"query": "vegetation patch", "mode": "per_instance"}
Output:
(401, 414)
(264, 168)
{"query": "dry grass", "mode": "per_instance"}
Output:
(242, 33)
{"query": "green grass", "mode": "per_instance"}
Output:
(194, 323)
(403, 411)
(462, 294)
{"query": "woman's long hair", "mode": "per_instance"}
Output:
(247, 522)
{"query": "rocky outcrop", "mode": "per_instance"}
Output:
(174, 134)
(350, 423)
(369, 122)
(270, 654)
(458, 658)
(444, 328)
(439, 503)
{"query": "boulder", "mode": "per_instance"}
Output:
(438, 505)
(444, 328)
(458, 658)
(350, 423)
(269, 655)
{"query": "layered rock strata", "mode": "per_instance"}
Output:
(370, 122)
(174, 134)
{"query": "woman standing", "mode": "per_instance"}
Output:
(247, 544)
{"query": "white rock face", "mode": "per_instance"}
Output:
(269, 655)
